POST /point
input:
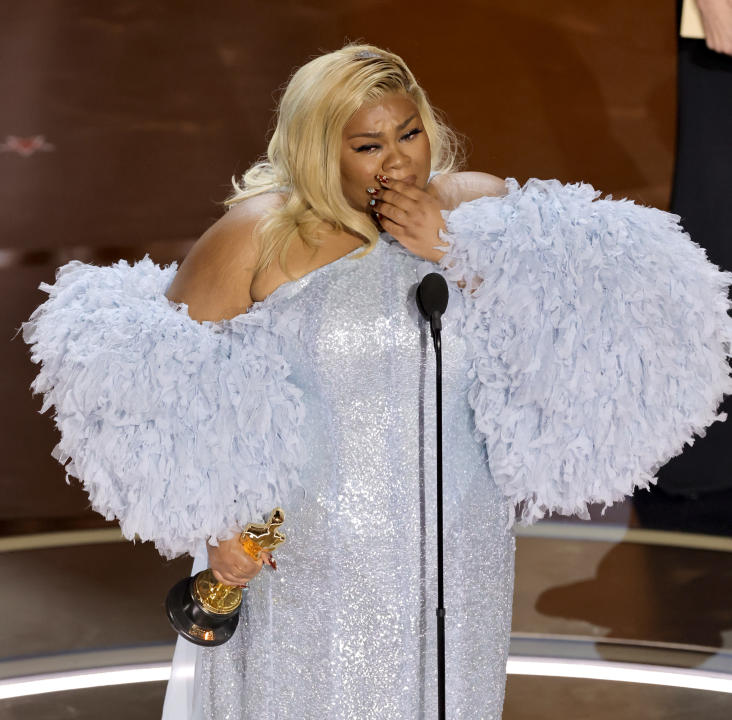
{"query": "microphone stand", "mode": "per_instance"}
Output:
(436, 328)
(432, 297)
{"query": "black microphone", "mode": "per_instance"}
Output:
(432, 299)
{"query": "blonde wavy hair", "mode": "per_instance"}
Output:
(303, 155)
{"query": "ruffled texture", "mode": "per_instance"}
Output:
(183, 431)
(599, 339)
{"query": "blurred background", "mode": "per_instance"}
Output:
(121, 124)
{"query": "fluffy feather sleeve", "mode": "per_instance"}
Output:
(599, 338)
(183, 431)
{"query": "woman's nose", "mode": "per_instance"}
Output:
(395, 158)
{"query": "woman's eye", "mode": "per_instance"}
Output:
(371, 148)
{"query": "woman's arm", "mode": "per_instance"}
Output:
(183, 430)
(457, 188)
(215, 279)
(599, 338)
(215, 282)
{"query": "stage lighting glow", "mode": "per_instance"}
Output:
(693, 679)
(81, 679)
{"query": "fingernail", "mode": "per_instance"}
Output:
(382, 178)
(272, 563)
(378, 215)
(371, 191)
(372, 202)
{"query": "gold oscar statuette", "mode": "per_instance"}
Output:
(206, 611)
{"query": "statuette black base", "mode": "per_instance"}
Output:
(193, 622)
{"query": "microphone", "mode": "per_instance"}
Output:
(432, 299)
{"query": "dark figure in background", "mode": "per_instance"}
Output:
(694, 489)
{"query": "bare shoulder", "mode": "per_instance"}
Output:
(455, 188)
(216, 276)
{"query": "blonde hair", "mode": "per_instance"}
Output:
(303, 155)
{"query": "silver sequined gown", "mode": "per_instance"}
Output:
(346, 626)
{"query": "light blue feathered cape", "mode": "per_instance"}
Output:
(183, 431)
(599, 336)
(598, 333)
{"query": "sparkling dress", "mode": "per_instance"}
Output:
(345, 628)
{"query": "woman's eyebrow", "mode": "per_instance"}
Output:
(399, 127)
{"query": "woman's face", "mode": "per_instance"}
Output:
(385, 137)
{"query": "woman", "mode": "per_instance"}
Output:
(584, 342)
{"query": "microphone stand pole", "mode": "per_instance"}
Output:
(435, 326)
(432, 299)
